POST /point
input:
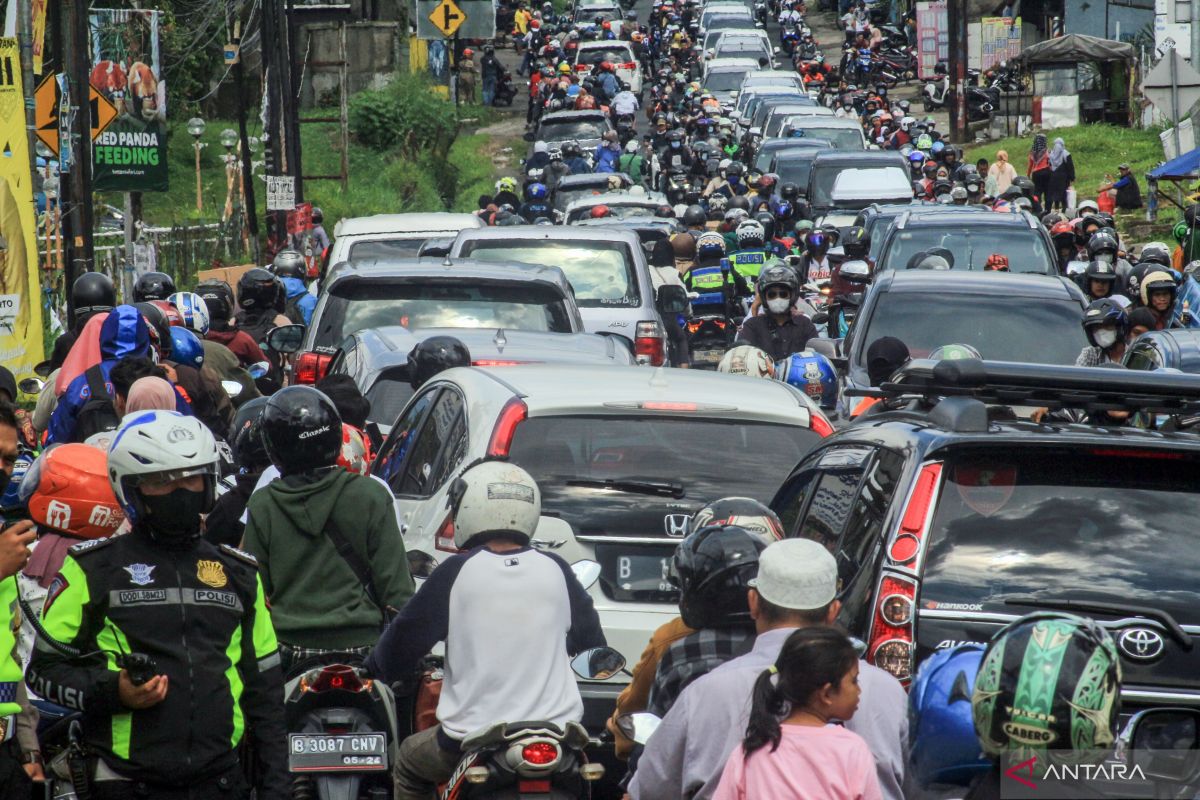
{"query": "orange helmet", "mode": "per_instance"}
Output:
(996, 262)
(355, 455)
(67, 490)
(468, 52)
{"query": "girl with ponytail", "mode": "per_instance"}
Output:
(791, 750)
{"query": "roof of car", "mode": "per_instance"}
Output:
(389, 345)
(616, 390)
(619, 199)
(866, 158)
(730, 64)
(588, 179)
(426, 268)
(1024, 284)
(602, 45)
(772, 73)
(549, 232)
(436, 222)
(928, 215)
(556, 116)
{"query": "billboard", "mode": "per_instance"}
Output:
(933, 37)
(1000, 40)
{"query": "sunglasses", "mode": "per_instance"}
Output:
(778, 294)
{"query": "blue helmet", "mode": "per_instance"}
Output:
(193, 309)
(186, 347)
(535, 191)
(938, 147)
(916, 157)
(811, 373)
(783, 210)
(573, 90)
(11, 499)
(941, 730)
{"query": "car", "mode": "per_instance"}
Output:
(622, 462)
(433, 293)
(393, 235)
(772, 78)
(723, 76)
(748, 100)
(855, 189)
(725, 24)
(826, 168)
(775, 116)
(575, 187)
(1005, 316)
(622, 205)
(768, 148)
(377, 358)
(723, 11)
(588, 14)
(877, 218)
(620, 54)
(745, 44)
(607, 268)
(794, 165)
(949, 521)
(584, 127)
(844, 132)
(971, 235)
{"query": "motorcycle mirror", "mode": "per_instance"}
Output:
(586, 572)
(1164, 743)
(421, 565)
(856, 271)
(43, 369)
(820, 318)
(598, 664)
(31, 385)
(232, 388)
(638, 727)
(286, 338)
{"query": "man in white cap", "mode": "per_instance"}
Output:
(796, 587)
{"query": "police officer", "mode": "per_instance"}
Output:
(174, 731)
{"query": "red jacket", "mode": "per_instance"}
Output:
(241, 343)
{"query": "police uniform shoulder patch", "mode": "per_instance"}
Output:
(91, 545)
(240, 555)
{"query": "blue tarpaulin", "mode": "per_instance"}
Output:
(1185, 166)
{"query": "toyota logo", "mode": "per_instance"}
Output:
(1141, 644)
(677, 525)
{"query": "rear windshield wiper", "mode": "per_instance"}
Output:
(1156, 614)
(632, 487)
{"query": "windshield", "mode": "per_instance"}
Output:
(795, 170)
(971, 246)
(773, 80)
(824, 177)
(564, 130)
(741, 45)
(728, 81)
(841, 138)
(1002, 328)
(877, 229)
(441, 304)
(564, 197)
(594, 55)
(600, 272)
(385, 248)
(630, 211)
(1062, 524)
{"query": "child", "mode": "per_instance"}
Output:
(814, 682)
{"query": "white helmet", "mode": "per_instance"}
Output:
(194, 311)
(494, 497)
(163, 446)
(906, 123)
(750, 233)
(746, 359)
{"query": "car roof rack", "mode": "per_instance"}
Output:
(1055, 387)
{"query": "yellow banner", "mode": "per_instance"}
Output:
(20, 289)
(39, 35)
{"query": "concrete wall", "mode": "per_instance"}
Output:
(372, 49)
(1091, 16)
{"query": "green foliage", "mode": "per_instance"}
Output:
(406, 114)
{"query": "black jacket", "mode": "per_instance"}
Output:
(193, 608)
(779, 341)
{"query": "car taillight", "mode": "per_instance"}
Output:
(540, 753)
(444, 538)
(495, 362)
(582, 67)
(513, 414)
(338, 677)
(907, 542)
(694, 326)
(649, 347)
(628, 65)
(891, 644)
(311, 367)
(821, 426)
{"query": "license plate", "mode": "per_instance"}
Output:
(708, 356)
(333, 752)
(637, 576)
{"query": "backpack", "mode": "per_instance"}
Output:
(98, 414)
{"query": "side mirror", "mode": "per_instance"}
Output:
(43, 369)
(672, 299)
(421, 565)
(586, 572)
(232, 388)
(286, 338)
(31, 385)
(638, 727)
(856, 271)
(598, 664)
(1164, 743)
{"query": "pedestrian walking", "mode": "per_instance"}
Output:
(1062, 175)
(1039, 164)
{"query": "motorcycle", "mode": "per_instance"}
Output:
(626, 128)
(935, 92)
(505, 91)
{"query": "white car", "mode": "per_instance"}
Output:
(391, 236)
(623, 458)
(744, 44)
(626, 65)
(854, 189)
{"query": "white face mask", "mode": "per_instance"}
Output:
(1105, 338)
(779, 305)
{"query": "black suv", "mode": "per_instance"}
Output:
(949, 519)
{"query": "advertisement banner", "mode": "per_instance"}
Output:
(20, 289)
(933, 37)
(39, 35)
(130, 154)
(1000, 40)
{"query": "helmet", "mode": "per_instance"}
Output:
(467, 52)
(929, 170)
(789, 190)
(683, 246)
(1101, 242)
(996, 262)
(1155, 253)
(1180, 232)
(494, 497)
(93, 292)
(1063, 234)
(856, 244)
(1105, 311)
(508, 184)
(958, 193)
(218, 300)
(1155, 282)
(750, 233)
(1025, 184)
(186, 347)
(13, 498)
(811, 373)
(301, 429)
(1076, 665)
(606, 66)
(924, 142)
(258, 290)
(916, 158)
(162, 446)
(941, 731)
(936, 258)
(245, 436)
(710, 245)
(153, 286)
(1087, 205)
(67, 490)
(433, 355)
(318, 216)
(816, 240)
(535, 191)
(744, 512)
(748, 360)
(1100, 271)
(778, 274)
(717, 205)
(289, 264)
(192, 309)
(600, 212)
(954, 352)
(354, 454)
(713, 568)
(694, 216)
(160, 328)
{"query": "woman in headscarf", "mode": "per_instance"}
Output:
(150, 393)
(1062, 175)
(1039, 164)
(1000, 175)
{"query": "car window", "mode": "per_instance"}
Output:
(617, 211)
(601, 272)
(614, 53)
(857, 549)
(794, 169)
(840, 138)
(425, 468)
(562, 130)
(388, 395)
(971, 245)
(726, 81)
(389, 464)
(830, 506)
(385, 249)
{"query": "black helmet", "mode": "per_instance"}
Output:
(289, 264)
(694, 216)
(318, 216)
(259, 290)
(778, 275)
(740, 202)
(433, 355)
(713, 568)
(160, 326)
(153, 286)
(93, 293)
(742, 512)
(767, 220)
(1105, 311)
(856, 244)
(301, 430)
(1026, 185)
(1102, 242)
(789, 191)
(249, 450)
(1100, 271)
(218, 299)
(1155, 253)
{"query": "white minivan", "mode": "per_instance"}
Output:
(392, 236)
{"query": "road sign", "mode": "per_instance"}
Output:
(281, 192)
(436, 19)
(47, 100)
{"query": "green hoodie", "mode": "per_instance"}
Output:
(315, 599)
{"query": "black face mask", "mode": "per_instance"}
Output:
(176, 516)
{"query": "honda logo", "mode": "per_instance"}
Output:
(1141, 644)
(677, 525)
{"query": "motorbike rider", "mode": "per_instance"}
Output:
(1099, 281)
(92, 293)
(535, 205)
(778, 331)
(138, 593)
(573, 155)
(224, 525)
(751, 254)
(1063, 236)
(1158, 291)
(814, 261)
(331, 556)
(153, 286)
(223, 329)
(607, 153)
(290, 268)
(497, 602)
(1106, 325)
(712, 273)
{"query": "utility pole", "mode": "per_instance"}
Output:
(25, 40)
(956, 24)
(77, 219)
(239, 80)
(283, 154)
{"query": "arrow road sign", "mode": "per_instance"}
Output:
(447, 17)
(466, 19)
(47, 98)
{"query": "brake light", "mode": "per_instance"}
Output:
(533, 787)
(444, 539)
(1119, 453)
(907, 542)
(513, 414)
(581, 67)
(311, 367)
(495, 362)
(540, 753)
(821, 426)
(649, 347)
(339, 677)
(628, 65)
(694, 326)
(665, 406)
(891, 644)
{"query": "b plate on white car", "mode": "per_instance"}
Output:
(332, 752)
